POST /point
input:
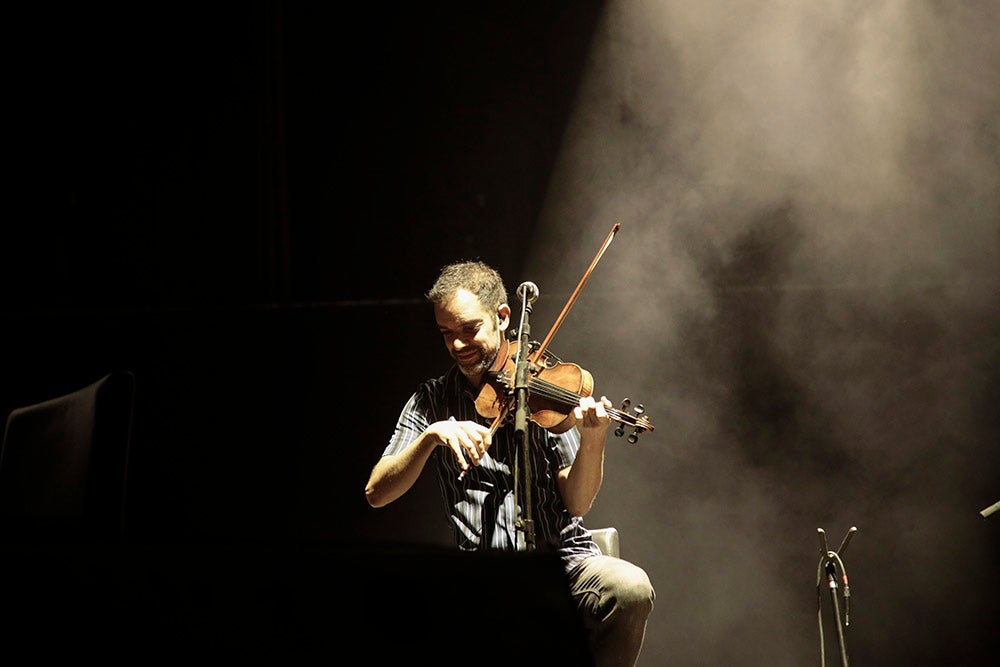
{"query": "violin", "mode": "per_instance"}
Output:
(555, 388)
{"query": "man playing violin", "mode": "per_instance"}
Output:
(476, 465)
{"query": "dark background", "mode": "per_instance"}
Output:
(244, 206)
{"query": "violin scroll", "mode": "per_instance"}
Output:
(638, 422)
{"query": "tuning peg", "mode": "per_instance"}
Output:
(639, 411)
(620, 429)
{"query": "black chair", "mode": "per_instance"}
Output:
(64, 464)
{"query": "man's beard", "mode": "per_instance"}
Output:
(488, 358)
(484, 364)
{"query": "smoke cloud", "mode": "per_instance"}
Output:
(805, 296)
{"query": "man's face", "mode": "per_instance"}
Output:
(471, 332)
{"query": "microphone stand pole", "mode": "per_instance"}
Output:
(521, 414)
(828, 563)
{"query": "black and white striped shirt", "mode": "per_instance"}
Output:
(481, 505)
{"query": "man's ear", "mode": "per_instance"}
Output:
(503, 317)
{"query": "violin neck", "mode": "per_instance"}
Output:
(570, 400)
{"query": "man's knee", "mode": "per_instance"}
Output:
(632, 588)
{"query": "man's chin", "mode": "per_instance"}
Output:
(476, 367)
(471, 369)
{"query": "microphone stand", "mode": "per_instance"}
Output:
(521, 414)
(828, 562)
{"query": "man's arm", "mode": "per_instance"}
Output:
(580, 482)
(394, 474)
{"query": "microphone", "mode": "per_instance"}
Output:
(528, 292)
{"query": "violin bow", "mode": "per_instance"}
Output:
(537, 354)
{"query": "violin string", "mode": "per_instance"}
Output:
(554, 392)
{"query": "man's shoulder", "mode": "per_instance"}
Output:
(443, 384)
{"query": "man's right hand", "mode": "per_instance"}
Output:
(467, 439)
